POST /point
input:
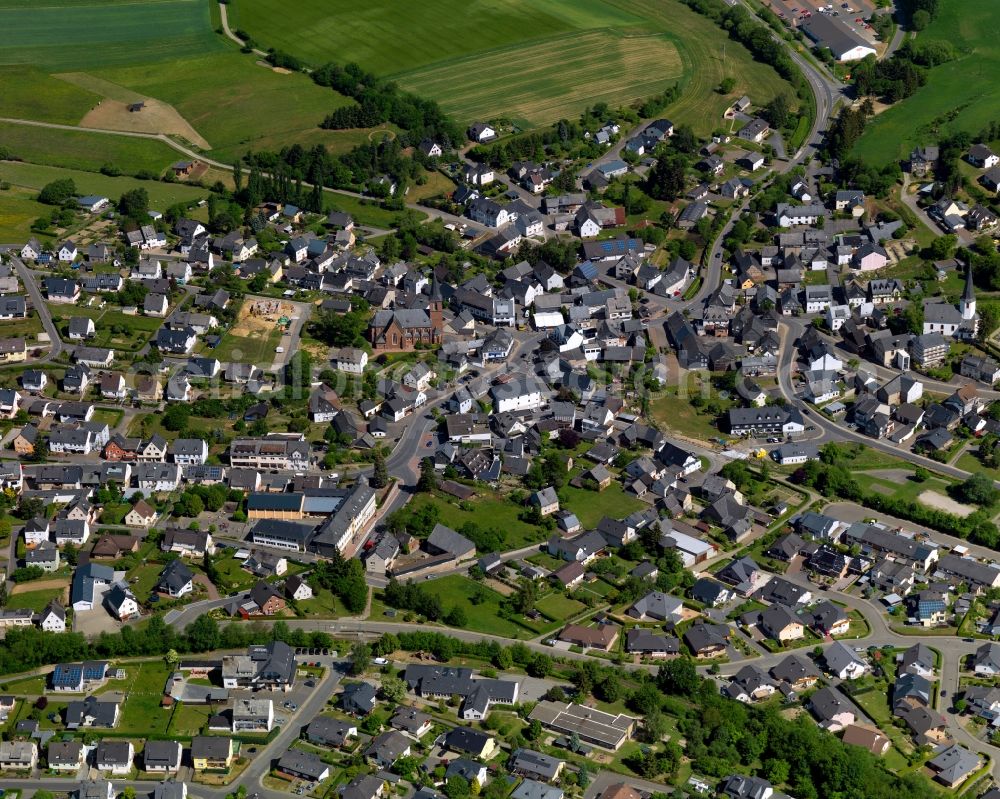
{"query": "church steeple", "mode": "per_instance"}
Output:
(436, 305)
(435, 288)
(967, 305)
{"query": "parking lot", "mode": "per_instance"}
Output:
(853, 14)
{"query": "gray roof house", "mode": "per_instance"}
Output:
(657, 605)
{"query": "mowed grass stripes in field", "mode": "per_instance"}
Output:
(544, 81)
(392, 36)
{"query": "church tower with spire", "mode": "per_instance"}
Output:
(435, 308)
(967, 305)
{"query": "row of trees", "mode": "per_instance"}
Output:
(27, 648)
(379, 101)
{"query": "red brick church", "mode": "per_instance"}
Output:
(404, 328)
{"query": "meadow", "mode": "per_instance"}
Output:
(30, 93)
(85, 35)
(85, 150)
(960, 95)
(161, 195)
(237, 105)
(18, 209)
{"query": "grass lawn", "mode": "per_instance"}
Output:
(231, 576)
(29, 686)
(488, 510)
(133, 331)
(110, 417)
(189, 719)
(546, 561)
(34, 176)
(970, 463)
(958, 95)
(436, 185)
(908, 489)
(876, 704)
(598, 587)
(29, 327)
(246, 348)
(142, 712)
(456, 590)
(80, 149)
(365, 212)
(591, 506)
(323, 604)
(559, 607)
(147, 577)
(35, 600)
(146, 424)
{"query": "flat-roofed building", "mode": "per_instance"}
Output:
(590, 725)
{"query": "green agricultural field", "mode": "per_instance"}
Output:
(532, 93)
(389, 37)
(965, 90)
(236, 104)
(161, 195)
(30, 93)
(85, 150)
(578, 52)
(62, 34)
(709, 56)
